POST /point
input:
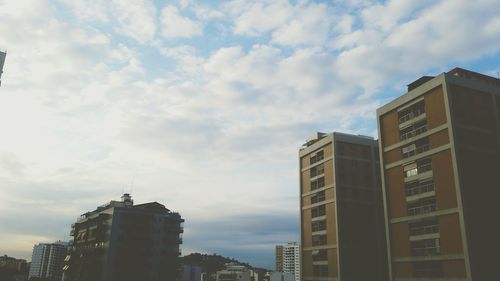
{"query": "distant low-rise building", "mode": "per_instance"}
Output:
(234, 272)
(281, 276)
(125, 242)
(47, 260)
(17, 265)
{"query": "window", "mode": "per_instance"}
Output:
(318, 197)
(318, 225)
(318, 211)
(419, 167)
(422, 206)
(318, 240)
(320, 255)
(413, 130)
(424, 165)
(320, 270)
(318, 156)
(427, 226)
(318, 183)
(412, 171)
(418, 187)
(415, 148)
(317, 170)
(427, 247)
(82, 236)
(428, 269)
(412, 112)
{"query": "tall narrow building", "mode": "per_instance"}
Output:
(279, 258)
(120, 241)
(47, 261)
(288, 259)
(342, 227)
(440, 152)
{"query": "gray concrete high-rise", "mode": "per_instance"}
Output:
(47, 260)
(120, 241)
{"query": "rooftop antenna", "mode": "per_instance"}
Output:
(3, 54)
(132, 185)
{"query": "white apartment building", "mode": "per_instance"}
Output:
(288, 259)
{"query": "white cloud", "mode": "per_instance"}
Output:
(205, 13)
(261, 17)
(302, 23)
(89, 10)
(175, 25)
(136, 19)
(415, 38)
(311, 26)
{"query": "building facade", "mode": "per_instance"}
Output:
(342, 223)
(440, 158)
(121, 241)
(288, 259)
(47, 261)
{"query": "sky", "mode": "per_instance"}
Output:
(203, 105)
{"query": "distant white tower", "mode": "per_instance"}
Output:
(291, 259)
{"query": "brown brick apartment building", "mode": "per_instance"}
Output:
(440, 157)
(342, 228)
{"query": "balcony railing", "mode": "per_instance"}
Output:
(418, 150)
(424, 167)
(415, 132)
(420, 188)
(411, 115)
(425, 251)
(427, 229)
(422, 209)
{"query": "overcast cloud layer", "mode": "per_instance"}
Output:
(202, 106)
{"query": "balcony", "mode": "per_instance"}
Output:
(429, 247)
(413, 130)
(410, 116)
(423, 206)
(412, 112)
(416, 170)
(424, 227)
(415, 188)
(416, 148)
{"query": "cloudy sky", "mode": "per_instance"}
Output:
(202, 105)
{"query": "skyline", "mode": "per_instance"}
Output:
(203, 107)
